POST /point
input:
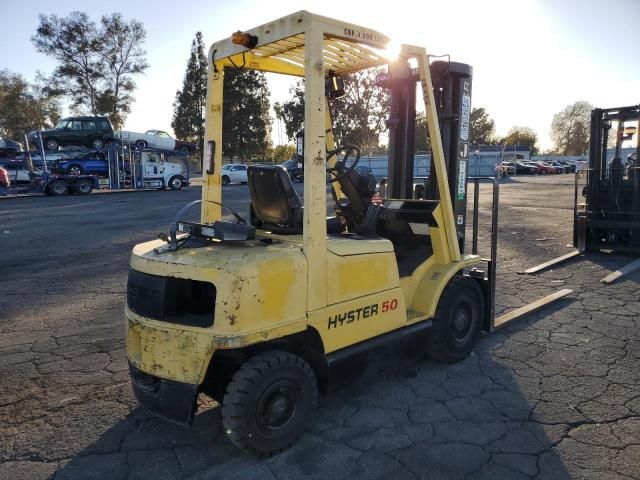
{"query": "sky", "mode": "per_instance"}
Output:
(531, 58)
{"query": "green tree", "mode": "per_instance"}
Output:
(359, 118)
(570, 128)
(482, 127)
(24, 106)
(522, 136)
(423, 142)
(120, 48)
(190, 102)
(282, 153)
(292, 112)
(246, 124)
(96, 63)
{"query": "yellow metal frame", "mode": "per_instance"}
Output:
(347, 290)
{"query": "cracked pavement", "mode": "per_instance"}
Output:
(554, 395)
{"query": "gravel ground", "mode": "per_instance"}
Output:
(555, 395)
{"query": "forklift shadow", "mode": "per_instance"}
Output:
(610, 262)
(426, 420)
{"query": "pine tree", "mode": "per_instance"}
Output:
(189, 105)
(246, 125)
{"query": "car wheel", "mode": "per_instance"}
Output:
(97, 143)
(269, 402)
(84, 187)
(457, 321)
(176, 182)
(141, 144)
(184, 151)
(58, 187)
(226, 180)
(51, 144)
(74, 170)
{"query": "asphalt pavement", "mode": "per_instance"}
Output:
(555, 395)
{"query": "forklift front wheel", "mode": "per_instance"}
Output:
(457, 321)
(269, 402)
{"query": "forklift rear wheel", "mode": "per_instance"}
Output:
(58, 187)
(269, 402)
(457, 321)
(175, 182)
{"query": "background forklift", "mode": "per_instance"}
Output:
(607, 193)
(260, 315)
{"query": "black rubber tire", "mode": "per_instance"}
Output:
(226, 180)
(184, 151)
(58, 188)
(75, 170)
(83, 187)
(176, 182)
(274, 387)
(50, 143)
(141, 144)
(461, 307)
(96, 143)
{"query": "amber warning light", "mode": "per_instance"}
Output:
(244, 39)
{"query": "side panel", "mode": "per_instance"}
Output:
(350, 322)
(355, 276)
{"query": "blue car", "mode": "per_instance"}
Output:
(91, 163)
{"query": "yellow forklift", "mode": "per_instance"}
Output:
(261, 314)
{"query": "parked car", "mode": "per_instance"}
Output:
(234, 172)
(93, 132)
(535, 169)
(294, 171)
(9, 148)
(570, 167)
(546, 168)
(155, 139)
(524, 168)
(91, 163)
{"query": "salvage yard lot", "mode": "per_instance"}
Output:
(556, 395)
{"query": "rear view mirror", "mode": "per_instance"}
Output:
(334, 86)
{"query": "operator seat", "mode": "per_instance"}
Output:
(275, 204)
(358, 189)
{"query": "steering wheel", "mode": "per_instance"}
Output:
(340, 169)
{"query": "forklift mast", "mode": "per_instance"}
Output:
(452, 92)
(609, 215)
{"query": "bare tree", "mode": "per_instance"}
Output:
(570, 128)
(120, 48)
(72, 42)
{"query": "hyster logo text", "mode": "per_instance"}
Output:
(362, 312)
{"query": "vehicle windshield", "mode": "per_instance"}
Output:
(227, 166)
(61, 124)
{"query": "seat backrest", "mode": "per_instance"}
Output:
(275, 205)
